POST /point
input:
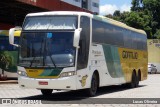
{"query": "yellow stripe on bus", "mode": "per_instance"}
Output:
(133, 60)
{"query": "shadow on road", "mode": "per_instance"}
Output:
(77, 95)
(113, 89)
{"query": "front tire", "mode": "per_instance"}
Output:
(94, 86)
(46, 92)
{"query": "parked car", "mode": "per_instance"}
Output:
(152, 69)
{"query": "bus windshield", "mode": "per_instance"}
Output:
(47, 49)
(50, 23)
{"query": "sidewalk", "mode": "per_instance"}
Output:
(9, 82)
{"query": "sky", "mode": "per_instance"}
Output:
(109, 6)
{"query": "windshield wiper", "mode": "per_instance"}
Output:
(51, 57)
(42, 52)
(32, 60)
(53, 61)
(35, 56)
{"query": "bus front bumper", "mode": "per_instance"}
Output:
(65, 83)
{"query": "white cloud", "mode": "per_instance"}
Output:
(125, 7)
(109, 9)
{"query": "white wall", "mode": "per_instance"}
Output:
(79, 4)
(74, 2)
(91, 7)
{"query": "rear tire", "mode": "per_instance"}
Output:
(137, 81)
(155, 71)
(46, 92)
(134, 82)
(94, 86)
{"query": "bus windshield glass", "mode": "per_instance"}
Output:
(50, 23)
(47, 49)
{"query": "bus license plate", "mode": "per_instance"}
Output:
(43, 83)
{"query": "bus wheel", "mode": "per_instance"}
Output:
(137, 81)
(94, 86)
(138, 78)
(133, 81)
(46, 92)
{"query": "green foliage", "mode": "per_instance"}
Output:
(136, 5)
(8, 60)
(157, 34)
(145, 15)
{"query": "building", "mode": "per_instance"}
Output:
(91, 5)
(154, 52)
(13, 12)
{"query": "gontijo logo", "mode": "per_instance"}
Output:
(129, 55)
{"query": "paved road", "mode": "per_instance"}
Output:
(149, 88)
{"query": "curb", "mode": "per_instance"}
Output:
(9, 82)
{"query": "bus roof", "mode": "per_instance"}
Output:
(60, 13)
(98, 17)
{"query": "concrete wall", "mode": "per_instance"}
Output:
(77, 3)
(154, 52)
(54, 5)
(91, 7)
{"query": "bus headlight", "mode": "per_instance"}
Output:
(22, 73)
(67, 74)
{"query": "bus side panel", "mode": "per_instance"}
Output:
(114, 65)
(105, 59)
(101, 59)
(133, 60)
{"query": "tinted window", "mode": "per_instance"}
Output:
(107, 33)
(110, 34)
(83, 51)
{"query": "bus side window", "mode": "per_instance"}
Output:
(84, 42)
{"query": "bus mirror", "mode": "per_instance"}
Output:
(11, 35)
(77, 37)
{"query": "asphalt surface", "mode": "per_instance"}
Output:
(112, 96)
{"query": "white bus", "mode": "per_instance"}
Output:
(77, 50)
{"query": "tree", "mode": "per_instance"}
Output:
(137, 5)
(140, 20)
(157, 34)
(117, 13)
(144, 15)
(109, 16)
(153, 7)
